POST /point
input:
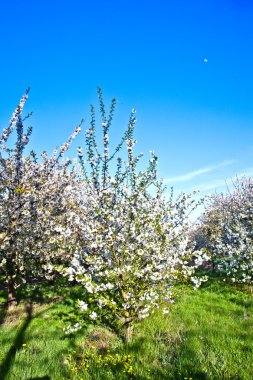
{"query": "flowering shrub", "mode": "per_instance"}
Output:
(226, 231)
(134, 244)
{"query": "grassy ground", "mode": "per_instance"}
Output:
(207, 335)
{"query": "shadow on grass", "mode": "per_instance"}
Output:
(18, 341)
(165, 366)
(17, 344)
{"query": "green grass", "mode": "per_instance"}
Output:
(207, 335)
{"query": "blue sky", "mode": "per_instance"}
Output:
(186, 66)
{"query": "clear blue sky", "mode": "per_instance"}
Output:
(187, 66)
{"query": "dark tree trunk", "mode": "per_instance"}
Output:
(11, 297)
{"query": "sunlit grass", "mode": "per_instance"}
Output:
(207, 335)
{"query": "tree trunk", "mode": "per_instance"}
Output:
(11, 297)
(128, 332)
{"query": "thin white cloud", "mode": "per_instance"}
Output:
(227, 183)
(196, 173)
(214, 185)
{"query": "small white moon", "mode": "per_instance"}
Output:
(205, 60)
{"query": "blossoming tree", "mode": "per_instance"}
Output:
(37, 202)
(226, 231)
(135, 246)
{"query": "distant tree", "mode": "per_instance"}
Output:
(226, 231)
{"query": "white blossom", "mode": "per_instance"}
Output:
(82, 305)
(93, 315)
